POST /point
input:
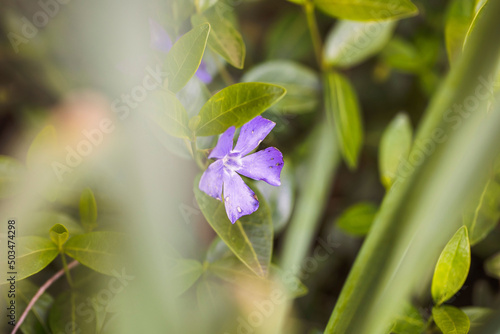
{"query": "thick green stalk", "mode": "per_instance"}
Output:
(314, 31)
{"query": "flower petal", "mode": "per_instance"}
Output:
(264, 165)
(211, 180)
(252, 133)
(224, 145)
(203, 74)
(159, 37)
(239, 199)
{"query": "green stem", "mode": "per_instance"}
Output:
(196, 155)
(66, 269)
(314, 31)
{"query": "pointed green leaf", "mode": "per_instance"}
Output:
(301, 83)
(492, 266)
(185, 57)
(350, 43)
(482, 215)
(223, 39)
(37, 319)
(166, 111)
(395, 146)
(33, 254)
(59, 235)
(88, 210)
(186, 274)
(452, 267)
(11, 173)
(72, 313)
(357, 219)
(342, 108)
(236, 105)
(99, 251)
(458, 20)
(410, 321)
(250, 238)
(480, 9)
(367, 10)
(451, 320)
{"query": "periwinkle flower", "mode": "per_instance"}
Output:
(221, 177)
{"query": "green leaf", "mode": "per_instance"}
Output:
(236, 105)
(492, 266)
(350, 43)
(73, 313)
(11, 173)
(357, 219)
(36, 321)
(342, 108)
(184, 58)
(250, 238)
(482, 215)
(481, 8)
(33, 254)
(88, 210)
(59, 235)
(166, 111)
(193, 96)
(44, 141)
(301, 83)
(403, 56)
(186, 273)
(224, 39)
(99, 251)
(42, 222)
(410, 321)
(395, 146)
(367, 10)
(452, 267)
(458, 20)
(478, 316)
(203, 5)
(451, 320)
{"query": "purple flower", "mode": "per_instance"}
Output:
(222, 175)
(160, 41)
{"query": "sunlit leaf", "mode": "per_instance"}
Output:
(250, 238)
(33, 254)
(395, 146)
(342, 108)
(451, 320)
(357, 219)
(350, 42)
(236, 105)
(223, 39)
(88, 210)
(367, 10)
(100, 251)
(452, 267)
(184, 58)
(301, 84)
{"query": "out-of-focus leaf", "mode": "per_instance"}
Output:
(350, 42)
(482, 215)
(11, 172)
(367, 10)
(236, 105)
(217, 250)
(357, 219)
(42, 222)
(72, 313)
(477, 315)
(492, 266)
(88, 210)
(184, 58)
(395, 145)
(452, 267)
(481, 8)
(301, 84)
(33, 254)
(166, 111)
(288, 37)
(250, 238)
(203, 5)
(193, 96)
(403, 56)
(186, 273)
(59, 235)
(99, 251)
(410, 321)
(43, 144)
(223, 39)
(451, 320)
(342, 108)
(458, 20)
(280, 199)
(36, 322)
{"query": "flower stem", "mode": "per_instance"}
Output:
(314, 31)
